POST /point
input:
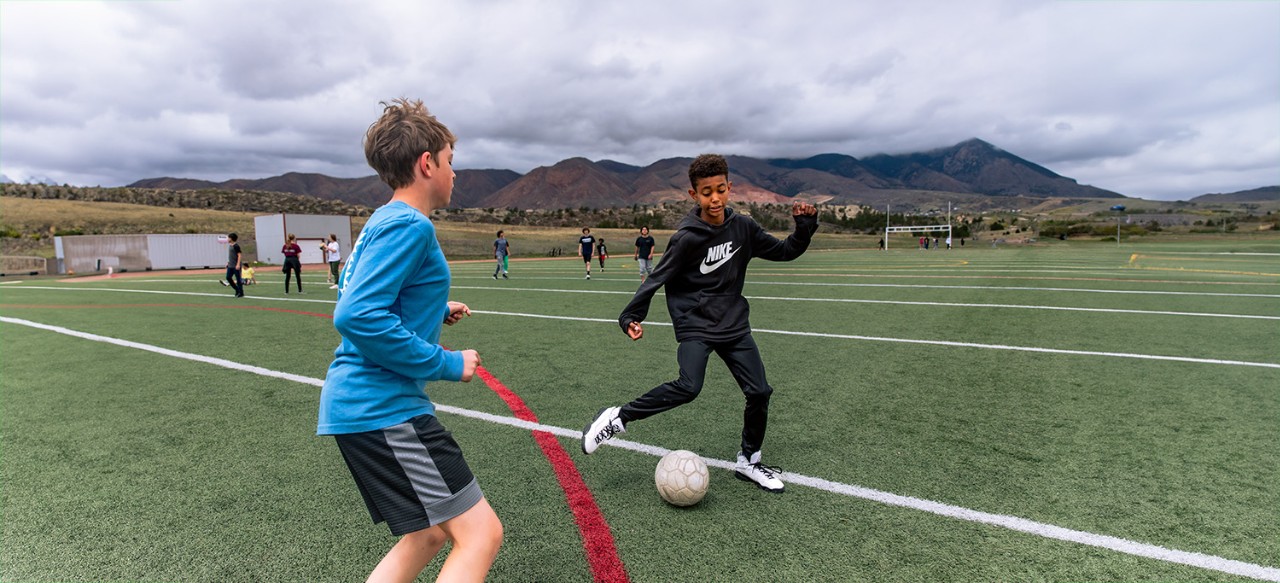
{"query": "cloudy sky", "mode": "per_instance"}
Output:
(1154, 99)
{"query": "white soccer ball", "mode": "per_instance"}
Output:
(681, 478)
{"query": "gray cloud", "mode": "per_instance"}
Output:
(1145, 98)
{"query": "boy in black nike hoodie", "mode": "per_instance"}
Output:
(704, 270)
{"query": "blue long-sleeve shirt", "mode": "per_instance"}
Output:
(392, 303)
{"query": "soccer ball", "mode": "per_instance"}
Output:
(681, 478)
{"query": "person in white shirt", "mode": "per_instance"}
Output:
(334, 256)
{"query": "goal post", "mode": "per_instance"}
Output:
(888, 228)
(917, 229)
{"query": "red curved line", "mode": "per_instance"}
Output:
(597, 540)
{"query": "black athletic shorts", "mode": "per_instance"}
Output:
(411, 475)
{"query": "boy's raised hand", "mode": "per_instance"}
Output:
(803, 208)
(457, 310)
(635, 330)
(470, 361)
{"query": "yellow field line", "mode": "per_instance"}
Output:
(1219, 271)
(1137, 256)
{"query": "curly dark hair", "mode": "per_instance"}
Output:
(706, 166)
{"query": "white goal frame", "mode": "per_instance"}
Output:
(923, 229)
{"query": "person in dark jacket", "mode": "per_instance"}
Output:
(703, 270)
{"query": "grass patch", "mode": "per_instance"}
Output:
(120, 464)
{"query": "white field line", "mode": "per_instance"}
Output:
(929, 342)
(1002, 271)
(1199, 560)
(201, 281)
(1209, 253)
(1022, 288)
(772, 298)
(935, 288)
(905, 303)
(225, 294)
(769, 331)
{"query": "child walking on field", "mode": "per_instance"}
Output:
(703, 270)
(393, 301)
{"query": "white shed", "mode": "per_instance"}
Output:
(311, 230)
(96, 253)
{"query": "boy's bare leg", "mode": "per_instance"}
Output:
(409, 556)
(476, 536)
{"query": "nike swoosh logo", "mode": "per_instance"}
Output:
(706, 268)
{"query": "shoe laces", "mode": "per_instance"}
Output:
(768, 471)
(608, 432)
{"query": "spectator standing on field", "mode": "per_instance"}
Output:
(292, 262)
(333, 254)
(602, 253)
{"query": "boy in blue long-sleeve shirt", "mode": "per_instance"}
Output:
(393, 301)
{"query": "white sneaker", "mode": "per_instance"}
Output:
(751, 470)
(334, 286)
(606, 425)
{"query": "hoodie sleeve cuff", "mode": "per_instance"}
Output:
(453, 364)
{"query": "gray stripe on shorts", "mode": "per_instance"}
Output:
(416, 462)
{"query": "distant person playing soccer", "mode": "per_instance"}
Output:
(501, 249)
(704, 269)
(393, 301)
(601, 253)
(644, 253)
(586, 246)
(235, 261)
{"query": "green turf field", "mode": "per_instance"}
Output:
(1065, 412)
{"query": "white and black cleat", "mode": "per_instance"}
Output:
(768, 478)
(604, 427)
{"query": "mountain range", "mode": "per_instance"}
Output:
(972, 171)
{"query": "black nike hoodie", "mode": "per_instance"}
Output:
(704, 269)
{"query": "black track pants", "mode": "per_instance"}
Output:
(292, 267)
(743, 359)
